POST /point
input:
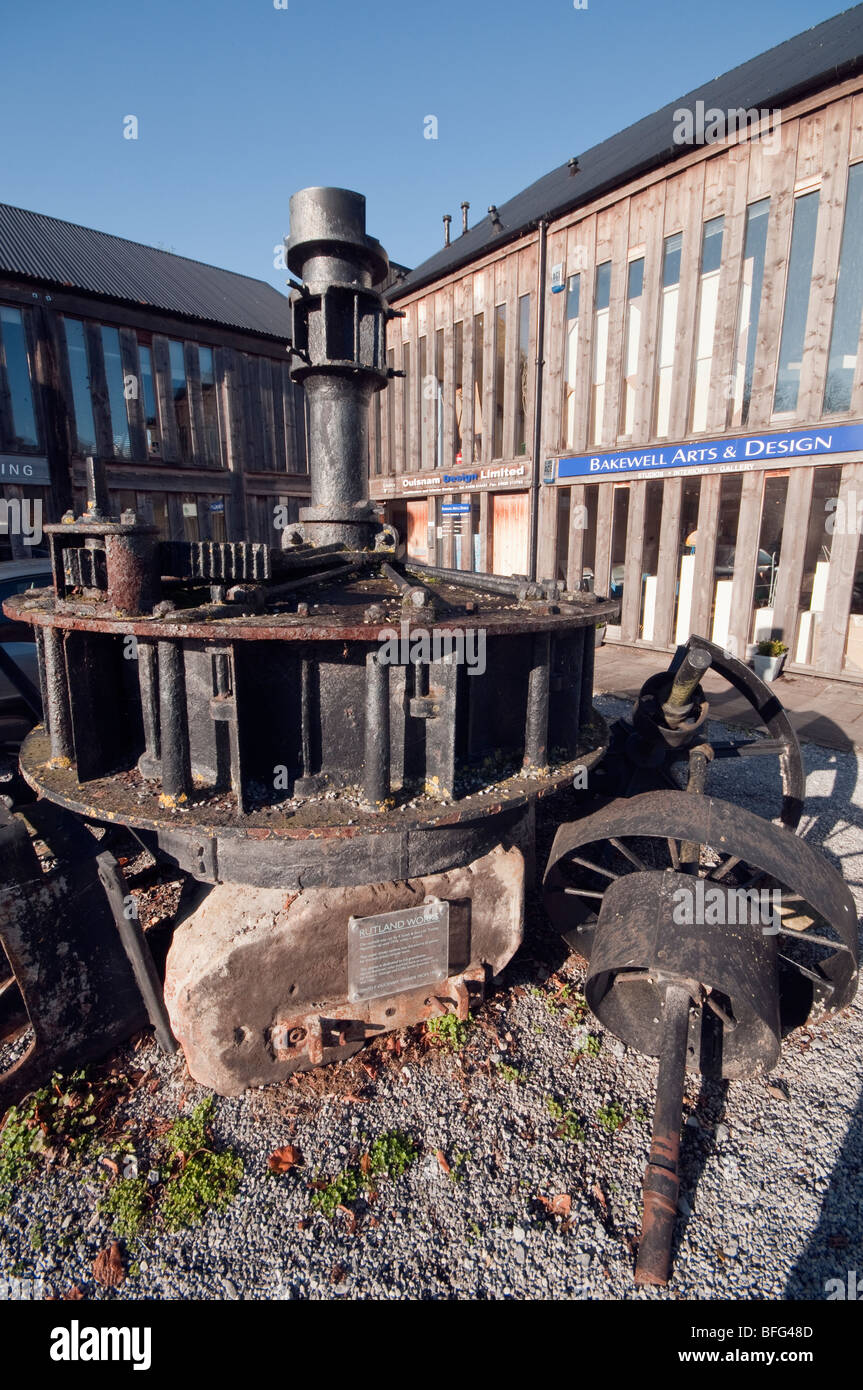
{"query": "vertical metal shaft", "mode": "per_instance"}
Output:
(661, 1176)
(57, 689)
(377, 735)
(176, 770)
(149, 761)
(536, 722)
(700, 758)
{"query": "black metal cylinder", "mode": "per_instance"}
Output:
(176, 768)
(338, 355)
(377, 732)
(536, 722)
(57, 691)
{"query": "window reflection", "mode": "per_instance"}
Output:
(797, 290)
(116, 392)
(79, 371)
(749, 310)
(18, 379)
(848, 307)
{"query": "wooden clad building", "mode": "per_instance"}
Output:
(174, 372)
(644, 373)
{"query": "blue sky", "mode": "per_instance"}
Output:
(240, 103)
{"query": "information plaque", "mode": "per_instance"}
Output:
(391, 952)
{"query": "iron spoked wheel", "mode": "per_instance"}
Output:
(732, 847)
(643, 757)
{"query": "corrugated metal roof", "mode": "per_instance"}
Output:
(830, 52)
(72, 257)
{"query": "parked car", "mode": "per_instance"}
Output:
(16, 576)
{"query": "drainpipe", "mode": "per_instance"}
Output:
(537, 398)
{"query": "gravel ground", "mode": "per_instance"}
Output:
(772, 1181)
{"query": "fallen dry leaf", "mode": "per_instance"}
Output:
(108, 1266)
(350, 1219)
(284, 1159)
(110, 1164)
(561, 1204)
(600, 1196)
(365, 1165)
(73, 1295)
(441, 1158)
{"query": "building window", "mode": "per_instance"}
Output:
(210, 398)
(14, 356)
(406, 404)
(647, 614)
(749, 311)
(478, 332)
(499, 377)
(600, 348)
(804, 640)
(634, 294)
(116, 393)
(458, 384)
(708, 303)
(667, 332)
(848, 306)
(426, 391)
(79, 371)
(148, 397)
(438, 418)
(522, 374)
(573, 294)
(797, 288)
(190, 517)
(180, 395)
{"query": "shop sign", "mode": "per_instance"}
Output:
(495, 475)
(730, 454)
(17, 468)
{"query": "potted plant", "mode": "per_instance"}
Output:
(768, 659)
(600, 632)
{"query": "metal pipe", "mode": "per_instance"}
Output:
(495, 584)
(59, 713)
(687, 677)
(412, 593)
(538, 684)
(661, 1176)
(376, 783)
(700, 758)
(176, 768)
(148, 682)
(537, 396)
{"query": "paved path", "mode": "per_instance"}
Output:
(823, 711)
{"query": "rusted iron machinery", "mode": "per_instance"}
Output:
(343, 752)
(709, 932)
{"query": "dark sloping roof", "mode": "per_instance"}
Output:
(828, 53)
(71, 257)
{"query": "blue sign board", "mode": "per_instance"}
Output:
(19, 468)
(217, 506)
(730, 453)
(451, 508)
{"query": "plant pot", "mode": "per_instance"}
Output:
(768, 667)
(599, 634)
